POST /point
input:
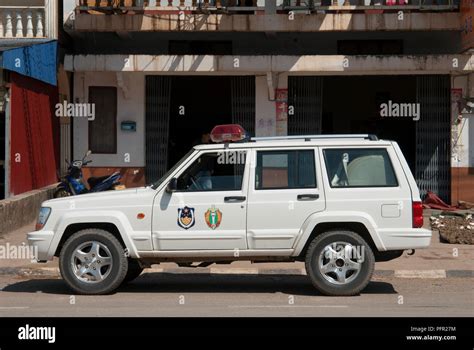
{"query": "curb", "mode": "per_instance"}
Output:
(419, 274)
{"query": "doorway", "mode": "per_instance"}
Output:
(352, 105)
(197, 105)
(180, 109)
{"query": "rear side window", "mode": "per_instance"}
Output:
(285, 169)
(370, 167)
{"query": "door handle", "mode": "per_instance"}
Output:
(236, 199)
(307, 197)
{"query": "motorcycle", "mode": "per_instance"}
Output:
(72, 183)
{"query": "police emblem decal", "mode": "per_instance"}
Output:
(213, 217)
(186, 217)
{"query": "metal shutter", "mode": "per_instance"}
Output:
(243, 102)
(433, 152)
(158, 97)
(305, 95)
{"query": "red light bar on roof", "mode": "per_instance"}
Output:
(228, 133)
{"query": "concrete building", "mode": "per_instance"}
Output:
(28, 91)
(162, 73)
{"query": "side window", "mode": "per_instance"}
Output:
(217, 171)
(370, 167)
(285, 169)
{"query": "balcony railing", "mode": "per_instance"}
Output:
(22, 22)
(137, 6)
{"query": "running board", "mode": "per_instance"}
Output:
(216, 253)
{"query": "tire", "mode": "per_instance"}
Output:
(60, 193)
(99, 276)
(134, 270)
(324, 265)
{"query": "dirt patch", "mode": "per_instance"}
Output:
(454, 228)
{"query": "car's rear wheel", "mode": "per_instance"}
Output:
(339, 263)
(92, 261)
(134, 270)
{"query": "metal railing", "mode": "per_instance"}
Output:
(260, 4)
(360, 4)
(22, 22)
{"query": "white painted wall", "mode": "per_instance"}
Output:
(468, 130)
(470, 133)
(463, 149)
(130, 108)
(265, 109)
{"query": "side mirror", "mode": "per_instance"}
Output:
(172, 185)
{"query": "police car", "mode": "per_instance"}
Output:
(339, 203)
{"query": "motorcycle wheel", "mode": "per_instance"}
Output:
(60, 193)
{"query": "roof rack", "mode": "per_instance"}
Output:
(370, 137)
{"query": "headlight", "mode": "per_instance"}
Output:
(42, 218)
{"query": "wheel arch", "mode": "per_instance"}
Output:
(117, 225)
(74, 228)
(353, 226)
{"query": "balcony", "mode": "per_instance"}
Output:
(263, 15)
(23, 19)
(230, 6)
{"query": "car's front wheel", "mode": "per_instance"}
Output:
(339, 263)
(92, 261)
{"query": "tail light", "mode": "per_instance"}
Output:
(42, 218)
(417, 209)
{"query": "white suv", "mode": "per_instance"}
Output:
(337, 202)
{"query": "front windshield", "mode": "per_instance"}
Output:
(156, 184)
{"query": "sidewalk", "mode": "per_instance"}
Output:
(440, 260)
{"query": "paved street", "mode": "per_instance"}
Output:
(164, 294)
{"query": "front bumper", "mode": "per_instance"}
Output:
(415, 238)
(41, 243)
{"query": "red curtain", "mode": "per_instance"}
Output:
(34, 139)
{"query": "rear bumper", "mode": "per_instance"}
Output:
(41, 243)
(416, 238)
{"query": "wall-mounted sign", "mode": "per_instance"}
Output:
(128, 126)
(467, 35)
(281, 102)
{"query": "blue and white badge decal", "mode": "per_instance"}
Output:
(186, 217)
